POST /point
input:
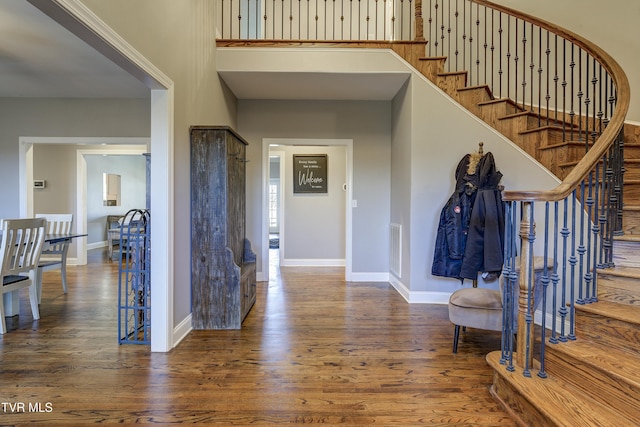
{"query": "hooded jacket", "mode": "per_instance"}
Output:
(471, 228)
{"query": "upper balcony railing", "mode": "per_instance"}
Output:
(319, 19)
(555, 79)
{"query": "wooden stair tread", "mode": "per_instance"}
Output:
(485, 87)
(432, 58)
(631, 207)
(628, 237)
(620, 364)
(622, 271)
(452, 73)
(623, 312)
(562, 144)
(514, 115)
(497, 101)
(565, 405)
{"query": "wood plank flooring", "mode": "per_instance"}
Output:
(314, 349)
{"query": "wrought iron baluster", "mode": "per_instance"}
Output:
(572, 264)
(581, 248)
(508, 41)
(500, 72)
(588, 277)
(579, 99)
(564, 89)
(554, 276)
(449, 30)
(572, 113)
(464, 36)
(562, 310)
(457, 28)
(477, 44)
(430, 30)
(556, 79)
(547, 96)
(516, 60)
(544, 281)
(493, 86)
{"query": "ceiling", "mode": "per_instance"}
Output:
(314, 85)
(40, 58)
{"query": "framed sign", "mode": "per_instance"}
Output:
(309, 173)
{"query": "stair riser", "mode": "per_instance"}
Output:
(630, 222)
(632, 151)
(555, 156)
(625, 253)
(451, 83)
(431, 68)
(541, 138)
(470, 98)
(623, 290)
(631, 193)
(608, 331)
(411, 52)
(517, 404)
(511, 128)
(594, 382)
(632, 171)
(490, 113)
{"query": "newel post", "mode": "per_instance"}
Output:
(524, 356)
(419, 21)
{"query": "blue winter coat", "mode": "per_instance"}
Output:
(471, 228)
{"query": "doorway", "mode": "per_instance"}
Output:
(275, 208)
(275, 147)
(89, 28)
(119, 146)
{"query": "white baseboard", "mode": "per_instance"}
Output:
(355, 277)
(370, 277)
(301, 262)
(96, 245)
(182, 330)
(418, 297)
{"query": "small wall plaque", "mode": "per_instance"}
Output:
(39, 183)
(310, 173)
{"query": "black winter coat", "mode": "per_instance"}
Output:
(471, 227)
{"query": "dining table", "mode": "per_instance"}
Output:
(11, 300)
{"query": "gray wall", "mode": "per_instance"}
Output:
(607, 24)
(430, 136)
(132, 171)
(368, 124)
(314, 224)
(178, 37)
(61, 118)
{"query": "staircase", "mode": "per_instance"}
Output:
(542, 140)
(595, 379)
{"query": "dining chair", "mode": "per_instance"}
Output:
(54, 256)
(20, 249)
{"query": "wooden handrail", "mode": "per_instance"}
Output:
(608, 136)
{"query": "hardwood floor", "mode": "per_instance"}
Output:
(314, 349)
